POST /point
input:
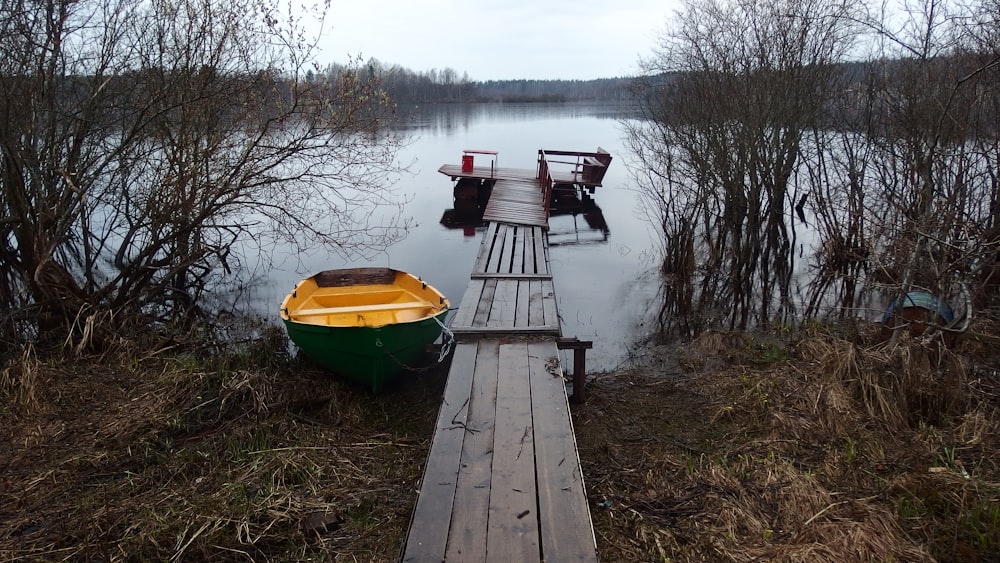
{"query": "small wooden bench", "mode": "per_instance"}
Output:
(593, 170)
(360, 309)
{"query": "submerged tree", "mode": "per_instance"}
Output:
(935, 151)
(757, 123)
(728, 102)
(141, 141)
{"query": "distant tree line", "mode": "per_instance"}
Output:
(405, 86)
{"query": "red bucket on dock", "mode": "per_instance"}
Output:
(467, 163)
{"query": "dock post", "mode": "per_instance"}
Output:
(579, 348)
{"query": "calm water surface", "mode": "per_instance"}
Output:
(604, 282)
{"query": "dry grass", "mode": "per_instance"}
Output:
(20, 380)
(735, 447)
(835, 450)
(172, 458)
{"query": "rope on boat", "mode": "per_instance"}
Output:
(446, 341)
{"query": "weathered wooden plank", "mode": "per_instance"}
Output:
(467, 537)
(512, 531)
(517, 259)
(485, 247)
(519, 218)
(428, 533)
(498, 250)
(567, 533)
(541, 255)
(544, 330)
(504, 209)
(533, 197)
(455, 171)
(532, 187)
(535, 313)
(470, 301)
(483, 172)
(525, 207)
(522, 314)
(485, 303)
(545, 249)
(549, 310)
(524, 276)
(517, 204)
(504, 304)
(511, 188)
(516, 198)
(515, 188)
(529, 251)
(506, 259)
(518, 181)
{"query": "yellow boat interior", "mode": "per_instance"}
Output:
(406, 299)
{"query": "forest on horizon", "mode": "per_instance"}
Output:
(407, 86)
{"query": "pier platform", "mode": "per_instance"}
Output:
(503, 480)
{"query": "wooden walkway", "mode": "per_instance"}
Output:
(503, 480)
(511, 290)
(517, 197)
(517, 201)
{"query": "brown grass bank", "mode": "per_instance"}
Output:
(821, 446)
(818, 447)
(179, 458)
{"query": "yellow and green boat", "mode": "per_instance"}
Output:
(366, 324)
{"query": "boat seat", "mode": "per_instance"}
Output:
(360, 308)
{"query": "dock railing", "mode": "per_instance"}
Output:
(588, 168)
(545, 181)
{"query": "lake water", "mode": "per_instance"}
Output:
(605, 281)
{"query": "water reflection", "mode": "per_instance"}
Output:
(470, 199)
(452, 118)
(602, 288)
(568, 200)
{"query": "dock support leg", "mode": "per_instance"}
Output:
(579, 348)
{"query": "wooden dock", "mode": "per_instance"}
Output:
(502, 480)
(517, 201)
(511, 290)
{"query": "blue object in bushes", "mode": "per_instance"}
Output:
(923, 300)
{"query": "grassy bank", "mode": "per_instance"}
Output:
(803, 447)
(226, 458)
(817, 447)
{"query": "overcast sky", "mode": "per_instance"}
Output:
(498, 39)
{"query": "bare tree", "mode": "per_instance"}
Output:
(935, 151)
(728, 100)
(139, 141)
(755, 111)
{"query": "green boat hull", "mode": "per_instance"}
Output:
(370, 356)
